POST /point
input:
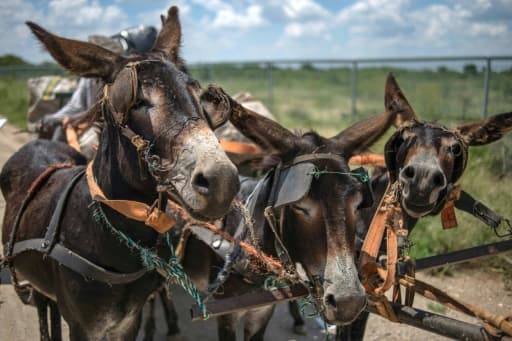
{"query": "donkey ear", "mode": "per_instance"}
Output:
(487, 130)
(81, 58)
(362, 135)
(266, 133)
(395, 102)
(217, 107)
(168, 41)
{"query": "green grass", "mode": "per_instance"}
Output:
(14, 100)
(320, 99)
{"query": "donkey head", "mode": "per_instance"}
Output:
(318, 225)
(156, 100)
(428, 159)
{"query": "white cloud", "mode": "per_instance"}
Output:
(229, 18)
(298, 9)
(306, 29)
(69, 18)
(478, 29)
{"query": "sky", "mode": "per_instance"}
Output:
(241, 30)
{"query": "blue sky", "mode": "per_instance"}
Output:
(219, 30)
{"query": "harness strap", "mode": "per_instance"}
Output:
(52, 232)
(77, 263)
(71, 134)
(152, 216)
(376, 160)
(476, 208)
(236, 147)
(384, 220)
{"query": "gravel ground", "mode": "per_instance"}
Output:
(476, 286)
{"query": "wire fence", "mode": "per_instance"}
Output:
(326, 94)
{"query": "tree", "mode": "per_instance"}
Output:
(10, 59)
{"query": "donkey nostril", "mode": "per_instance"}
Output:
(409, 172)
(201, 183)
(330, 301)
(438, 180)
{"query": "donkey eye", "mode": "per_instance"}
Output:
(456, 149)
(300, 209)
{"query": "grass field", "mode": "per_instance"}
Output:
(306, 98)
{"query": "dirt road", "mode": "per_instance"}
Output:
(484, 288)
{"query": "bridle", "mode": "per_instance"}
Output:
(394, 156)
(291, 181)
(120, 106)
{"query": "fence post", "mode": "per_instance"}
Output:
(487, 79)
(270, 87)
(353, 85)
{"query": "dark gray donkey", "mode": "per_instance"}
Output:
(156, 143)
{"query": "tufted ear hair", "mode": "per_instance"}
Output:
(395, 102)
(487, 130)
(217, 108)
(80, 58)
(267, 134)
(168, 41)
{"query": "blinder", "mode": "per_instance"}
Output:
(295, 182)
(120, 99)
(366, 188)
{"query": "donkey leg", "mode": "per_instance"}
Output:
(149, 328)
(256, 323)
(226, 327)
(41, 303)
(353, 331)
(299, 325)
(56, 330)
(171, 316)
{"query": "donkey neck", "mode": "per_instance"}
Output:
(117, 169)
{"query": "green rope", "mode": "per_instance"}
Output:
(172, 269)
(273, 283)
(309, 301)
(317, 173)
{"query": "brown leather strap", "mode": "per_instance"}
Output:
(236, 147)
(387, 219)
(71, 134)
(151, 216)
(448, 216)
(376, 160)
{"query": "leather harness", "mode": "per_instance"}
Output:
(153, 216)
(389, 219)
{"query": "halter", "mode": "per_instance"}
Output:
(290, 183)
(393, 145)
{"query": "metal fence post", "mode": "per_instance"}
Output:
(270, 87)
(353, 85)
(487, 79)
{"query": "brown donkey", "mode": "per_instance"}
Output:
(315, 199)
(427, 160)
(156, 143)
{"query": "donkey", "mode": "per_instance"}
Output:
(317, 225)
(147, 99)
(427, 160)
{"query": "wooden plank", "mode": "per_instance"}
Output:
(251, 300)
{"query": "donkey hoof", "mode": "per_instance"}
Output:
(300, 329)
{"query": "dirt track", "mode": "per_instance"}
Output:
(484, 288)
